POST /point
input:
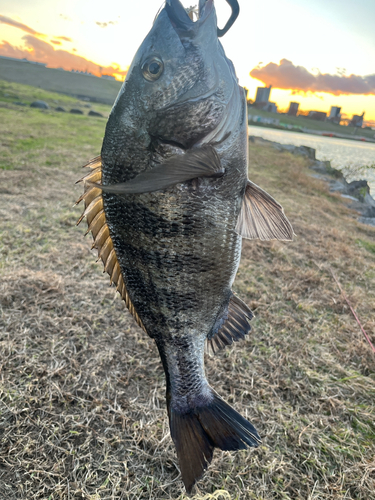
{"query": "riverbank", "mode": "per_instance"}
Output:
(306, 125)
(358, 192)
(82, 389)
(277, 124)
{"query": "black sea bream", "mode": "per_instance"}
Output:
(168, 203)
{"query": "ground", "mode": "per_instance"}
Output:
(54, 80)
(82, 394)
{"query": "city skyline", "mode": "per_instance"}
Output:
(322, 50)
(262, 100)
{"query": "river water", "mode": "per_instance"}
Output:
(356, 159)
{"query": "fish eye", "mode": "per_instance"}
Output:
(152, 69)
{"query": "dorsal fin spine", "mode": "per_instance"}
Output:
(97, 225)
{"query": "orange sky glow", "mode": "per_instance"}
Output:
(35, 47)
(103, 39)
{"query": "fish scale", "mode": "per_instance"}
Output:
(172, 256)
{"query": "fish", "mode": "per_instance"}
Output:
(168, 202)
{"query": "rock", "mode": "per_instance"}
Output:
(59, 108)
(338, 186)
(76, 111)
(39, 104)
(305, 151)
(358, 189)
(95, 113)
(348, 197)
(370, 221)
(369, 200)
(324, 167)
(369, 212)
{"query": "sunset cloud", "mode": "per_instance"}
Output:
(286, 75)
(56, 42)
(27, 29)
(41, 51)
(16, 24)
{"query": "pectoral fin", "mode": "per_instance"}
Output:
(199, 162)
(262, 217)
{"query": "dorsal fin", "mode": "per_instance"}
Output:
(97, 225)
(235, 327)
(262, 217)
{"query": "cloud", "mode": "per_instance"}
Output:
(298, 79)
(56, 42)
(6, 49)
(104, 25)
(24, 27)
(16, 24)
(41, 51)
(66, 38)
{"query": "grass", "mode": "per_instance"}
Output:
(82, 395)
(367, 245)
(53, 80)
(33, 137)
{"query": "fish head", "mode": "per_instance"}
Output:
(179, 83)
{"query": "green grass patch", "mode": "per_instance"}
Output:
(367, 245)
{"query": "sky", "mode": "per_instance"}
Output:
(320, 53)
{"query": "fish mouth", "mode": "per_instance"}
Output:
(180, 19)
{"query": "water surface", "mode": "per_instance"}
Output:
(355, 158)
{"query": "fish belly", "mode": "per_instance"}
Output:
(178, 253)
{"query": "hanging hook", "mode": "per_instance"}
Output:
(235, 11)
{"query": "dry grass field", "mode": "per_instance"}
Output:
(82, 396)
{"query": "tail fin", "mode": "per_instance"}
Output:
(197, 432)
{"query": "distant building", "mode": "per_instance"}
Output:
(271, 107)
(334, 114)
(262, 100)
(108, 77)
(317, 115)
(79, 72)
(356, 121)
(263, 94)
(293, 108)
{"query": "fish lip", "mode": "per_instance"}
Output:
(180, 19)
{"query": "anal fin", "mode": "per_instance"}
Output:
(261, 217)
(235, 327)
